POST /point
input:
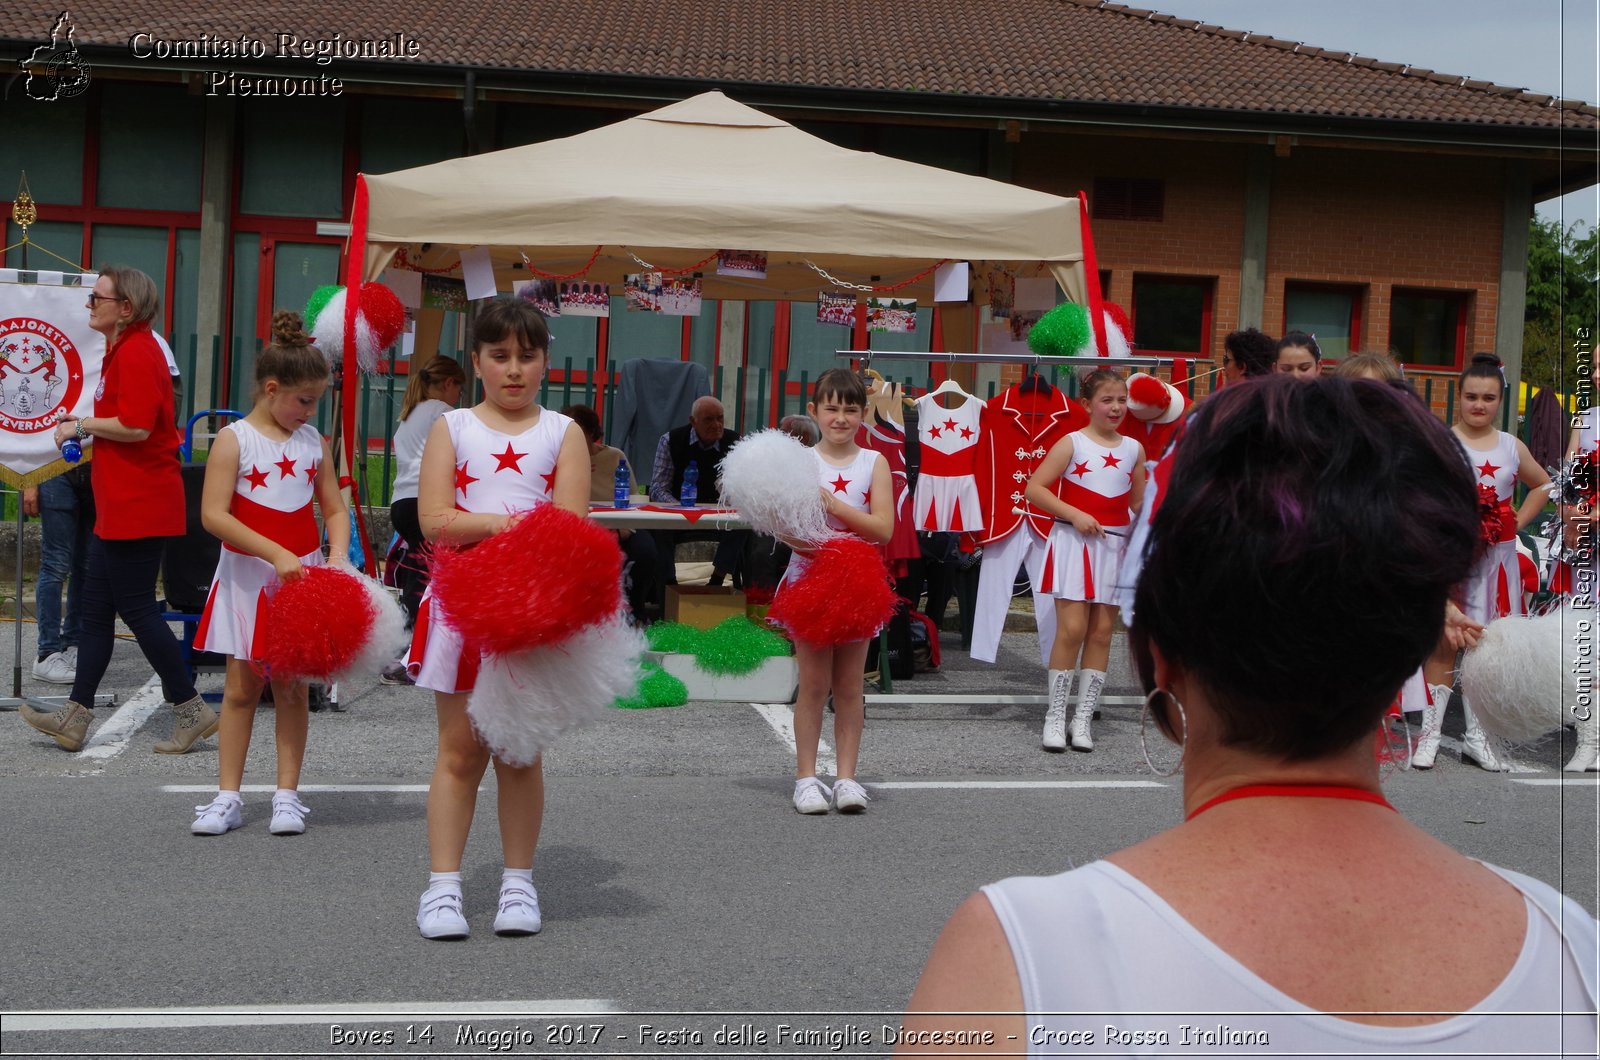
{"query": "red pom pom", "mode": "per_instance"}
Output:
(538, 582)
(384, 314)
(1119, 317)
(1148, 390)
(316, 626)
(843, 596)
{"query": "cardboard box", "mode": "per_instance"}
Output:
(703, 606)
(775, 681)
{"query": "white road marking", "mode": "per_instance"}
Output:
(272, 1015)
(999, 785)
(202, 789)
(895, 699)
(781, 717)
(112, 738)
(1557, 782)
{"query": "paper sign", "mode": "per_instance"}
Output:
(478, 273)
(1036, 293)
(406, 285)
(950, 282)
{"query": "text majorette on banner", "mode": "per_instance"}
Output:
(49, 367)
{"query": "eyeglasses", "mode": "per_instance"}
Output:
(93, 298)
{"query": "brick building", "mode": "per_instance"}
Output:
(1234, 179)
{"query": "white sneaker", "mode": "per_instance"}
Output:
(439, 915)
(519, 909)
(57, 669)
(848, 796)
(811, 795)
(288, 814)
(218, 816)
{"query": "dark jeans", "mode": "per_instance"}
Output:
(412, 576)
(121, 580)
(729, 560)
(66, 516)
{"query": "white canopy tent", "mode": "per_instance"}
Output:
(673, 186)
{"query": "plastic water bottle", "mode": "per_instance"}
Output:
(72, 450)
(619, 497)
(691, 486)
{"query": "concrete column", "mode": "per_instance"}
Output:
(1513, 272)
(216, 210)
(1253, 252)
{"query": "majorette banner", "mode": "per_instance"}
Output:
(49, 367)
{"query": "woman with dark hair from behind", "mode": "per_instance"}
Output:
(1263, 900)
(1248, 354)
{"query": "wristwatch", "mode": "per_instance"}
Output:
(81, 431)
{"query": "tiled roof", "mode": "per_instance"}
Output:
(1042, 52)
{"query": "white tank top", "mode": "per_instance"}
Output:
(851, 484)
(1496, 466)
(1095, 944)
(499, 474)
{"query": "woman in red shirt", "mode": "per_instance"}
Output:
(138, 495)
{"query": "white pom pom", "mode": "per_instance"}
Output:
(1519, 679)
(328, 333)
(522, 703)
(387, 638)
(772, 479)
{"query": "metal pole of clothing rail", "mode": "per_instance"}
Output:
(1033, 359)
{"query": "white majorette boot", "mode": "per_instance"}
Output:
(1475, 745)
(1090, 682)
(1432, 727)
(1055, 716)
(1586, 759)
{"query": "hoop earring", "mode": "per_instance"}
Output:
(1183, 743)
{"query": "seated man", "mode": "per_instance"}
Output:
(703, 442)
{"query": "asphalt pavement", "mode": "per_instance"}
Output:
(680, 889)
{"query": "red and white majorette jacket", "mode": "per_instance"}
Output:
(1018, 430)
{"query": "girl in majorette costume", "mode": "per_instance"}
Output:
(857, 495)
(1104, 475)
(481, 467)
(1494, 589)
(261, 475)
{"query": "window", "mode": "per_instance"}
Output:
(1331, 313)
(1128, 199)
(1428, 327)
(1172, 314)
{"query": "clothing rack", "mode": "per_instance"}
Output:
(1033, 359)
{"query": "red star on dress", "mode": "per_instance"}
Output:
(949, 425)
(549, 478)
(866, 498)
(1487, 470)
(508, 460)
(840, 484)
(966, 432)
(1081, 469)
(933, 432)
(257, 476)
(1111, 460)
(285, 467)
(463, 480)
(311, 472)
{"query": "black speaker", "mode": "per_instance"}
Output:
(190, 560)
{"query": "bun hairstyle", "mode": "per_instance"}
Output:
(1091, 383)
(290, 359)
(1273, 503)
(437, 371)
(1485, 366)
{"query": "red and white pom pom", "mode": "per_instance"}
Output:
(548, 575)
(772, 479)
(330, 625)
(843, 596)
(1518, 680)
(522, 703)
(378, 325)
(1153, 401)
(1117, 317)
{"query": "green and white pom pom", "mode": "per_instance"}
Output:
(318, 302)
(737, 646)
(1062, 332)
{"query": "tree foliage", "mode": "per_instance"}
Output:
(1563, 301)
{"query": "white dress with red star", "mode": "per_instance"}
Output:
(496, 474)
(947, 493)
(1494, 588)
(1099, 481)
(272, 496)
(851, 485)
